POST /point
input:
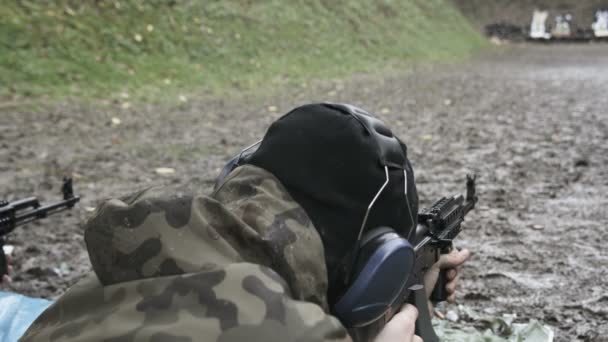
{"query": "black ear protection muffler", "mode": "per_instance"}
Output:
(382, 260)
(378, 285)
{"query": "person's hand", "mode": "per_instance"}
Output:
(6, 278)
(401, 327)
(452, 262)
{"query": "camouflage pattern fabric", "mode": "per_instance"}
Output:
(172, 265)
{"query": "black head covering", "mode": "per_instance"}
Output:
(329, 164)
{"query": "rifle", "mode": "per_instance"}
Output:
(20, 212)
(409, 261)
(437, 227)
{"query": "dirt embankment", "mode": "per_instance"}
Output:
(531, 123)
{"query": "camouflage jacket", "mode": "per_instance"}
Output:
(172, 265)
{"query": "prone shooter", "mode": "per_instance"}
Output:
(387, 268)
(312, 234)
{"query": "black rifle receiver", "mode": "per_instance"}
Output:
(20, 212)
(444, 219)
(437, 228)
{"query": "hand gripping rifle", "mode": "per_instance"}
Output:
(437, 228)
(16, 213)
(395, 272)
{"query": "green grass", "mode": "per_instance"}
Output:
(155, 49)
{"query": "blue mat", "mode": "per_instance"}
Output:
(17, 312)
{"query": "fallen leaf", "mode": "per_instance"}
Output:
(165, 170)
(272, 109)
(69, 11)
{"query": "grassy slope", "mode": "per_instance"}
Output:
(156, 48)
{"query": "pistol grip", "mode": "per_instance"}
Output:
(424, 323)
(439, 293)
(3, 263)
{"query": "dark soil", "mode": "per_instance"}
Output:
(532, 123)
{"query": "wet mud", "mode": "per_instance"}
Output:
(531, 122)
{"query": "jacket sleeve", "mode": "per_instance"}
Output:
(240, 302)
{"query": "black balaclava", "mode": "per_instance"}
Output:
(330, 165)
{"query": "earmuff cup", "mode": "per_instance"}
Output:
(382, 270)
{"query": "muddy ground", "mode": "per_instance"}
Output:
(531, 122)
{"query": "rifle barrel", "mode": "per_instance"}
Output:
(30, 202)
(15, 213)
(11, 215)
(44, 211)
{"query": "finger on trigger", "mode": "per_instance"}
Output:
(459, 257)
(453, 259)
(466, 254)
